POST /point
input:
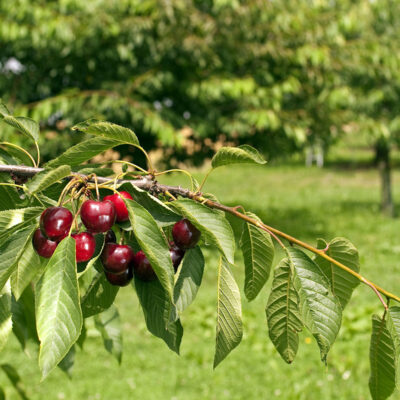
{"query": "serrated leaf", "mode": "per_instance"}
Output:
(244, 154)
(189, 279)
(10, 252)
(213, 226)
(28, 267)
(108, 323)
(157, 310)
(9, 196)
(159, 211)
(46, 178)
(15, 379)
(382, 360)
(12, 220)
(99, 296)
(229, 330)
(258, 255)
(83, 151)
(282, 312)
(17, 154)
(27, 126)
(153, 243)
(393, 326)
(320, 310)
(342, 283)
(5, 315)
(108, 130)
(58, 312)
(67, 363)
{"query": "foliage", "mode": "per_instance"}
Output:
(66, 293)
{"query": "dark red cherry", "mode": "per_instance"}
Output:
(120, 207)
(110, 237)
(43, 246)
(116, 258)
(85, 245)
(55, 223)
(176, 255)
(185, 234)
(122, 279)
(98, 216)
(142, 267)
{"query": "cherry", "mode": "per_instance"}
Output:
(117, 258)
(98, 216)
(185, 234)
(110, 237)
(120, 207)
(55, 223)
(85, 245)
(43, 246)
(120, 279)
(142, 267)
(176, 255)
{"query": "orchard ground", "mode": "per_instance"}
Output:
(306, 202)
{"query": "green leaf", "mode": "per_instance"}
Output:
(213, 225)
(341, 282)
(382, 355)
(157, 309)
(12, 220)
(320, 310)
(282, 312)
(58, 311)
(244, 154)
(258, 254)
(5, 315)
(393, 326)
(99, 296)
(10, 252)
(159, 211)
(3, 109)
(108, 323)
(28, 267)
(47, 178)
(83, 151)
(108, 130)
(2, 394)
(9, 196)
(229, 313)
(15, 379)
(67, 363)
(153, 243)
(189, 279)
(27, 126)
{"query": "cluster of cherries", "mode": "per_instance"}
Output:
(120, 262)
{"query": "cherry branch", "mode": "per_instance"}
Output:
(155, 187)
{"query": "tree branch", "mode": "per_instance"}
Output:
(154, 186)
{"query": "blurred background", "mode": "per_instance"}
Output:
(313, 84)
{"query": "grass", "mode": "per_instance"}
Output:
(307, 203)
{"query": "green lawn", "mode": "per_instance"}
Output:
(307, 203)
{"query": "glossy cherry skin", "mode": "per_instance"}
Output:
(176, 255)
(185, 234)
(43, 246)
(122, 279)
(85, 245)
(142, 268)
(55, 223)
(110, 237)
(117, 258)
(98, 216)
(120, 207)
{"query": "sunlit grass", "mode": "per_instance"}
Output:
(308, 203)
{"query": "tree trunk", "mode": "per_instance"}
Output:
(382, 154)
